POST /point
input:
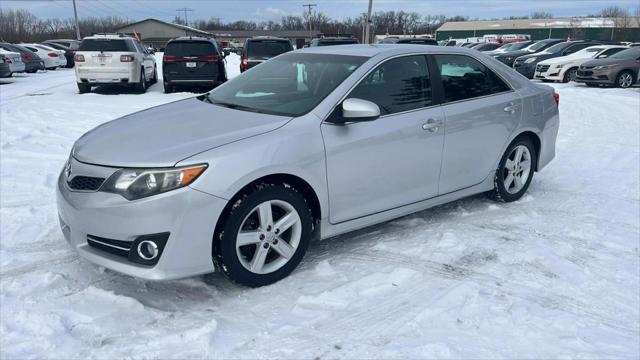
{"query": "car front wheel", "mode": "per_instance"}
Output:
(515, 171)
(265, 236)
(625, 79)
(84, 88)
(570, 75)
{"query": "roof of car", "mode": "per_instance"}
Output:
(197, 38)
(267, 38)
(372, 50)
(108, 36)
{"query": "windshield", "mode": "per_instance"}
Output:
(190, 49)
(537, 46)
(267, 49)
(557, 47)
(291, 84)
(627, 54)
(105, 45)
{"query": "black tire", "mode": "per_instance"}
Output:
(155, 76)
(225, 256)
(499, 192)
(141, 86)
(619, 81)
(84, 88)
(168, 89)
(570, 75)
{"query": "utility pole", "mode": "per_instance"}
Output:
(310, 6)
(186, 21)
(367, 32)
(75, 14)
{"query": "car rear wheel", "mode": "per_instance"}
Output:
(141, 87)
(84, 88)
(265, 235)
(515, 171)
(570, 75)
(625, 79)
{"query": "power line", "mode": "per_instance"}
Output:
(186, 21)
(310, 6)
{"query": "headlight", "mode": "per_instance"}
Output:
(139, 183)
(530, 60)
(559, 66)
(602, 67)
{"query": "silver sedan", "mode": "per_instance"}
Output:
(310, 144)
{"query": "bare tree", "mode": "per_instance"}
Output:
(541, 15)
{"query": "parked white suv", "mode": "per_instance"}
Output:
(114, 59)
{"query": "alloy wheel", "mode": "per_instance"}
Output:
(626, 80)
(517, 169)
(268, 237)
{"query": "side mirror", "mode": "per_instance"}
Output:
(359, 110)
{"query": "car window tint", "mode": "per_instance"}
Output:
(190, 49)
(465, 78)
(105, 45)
(268, 49)
(610, 52)
(397, 85)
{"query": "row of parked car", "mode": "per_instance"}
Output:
(31, 57)
(592, 62)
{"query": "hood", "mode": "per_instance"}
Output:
(565, 59)
(164, 135)
(514, 54)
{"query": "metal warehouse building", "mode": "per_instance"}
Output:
(576, 28)
(157, 33)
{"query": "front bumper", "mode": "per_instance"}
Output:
(187, 215)
(549, 73)
(605, 76)
(525, 69)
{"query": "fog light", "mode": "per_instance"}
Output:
(147, 250)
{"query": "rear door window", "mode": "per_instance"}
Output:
(464, 78)
(107, 45)
(267, 49)
(190, 49)
(399, 84)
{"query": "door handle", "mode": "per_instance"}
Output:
(432, 125)
(511, 108)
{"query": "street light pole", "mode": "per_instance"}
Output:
(75, 15)
(367, 32)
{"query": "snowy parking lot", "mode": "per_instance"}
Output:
(554, 275)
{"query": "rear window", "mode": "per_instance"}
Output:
(190, 49)
(106, 45)
(267, 49)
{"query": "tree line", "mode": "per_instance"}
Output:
(22, 26)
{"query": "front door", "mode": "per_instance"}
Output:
(392, 161)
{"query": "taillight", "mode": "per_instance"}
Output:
(169, 58)
(6, 60)
(78, 58)
(126, 58)
(26, 57)
(556, 97)
(52, 55)
(244, 64)
(211, 58)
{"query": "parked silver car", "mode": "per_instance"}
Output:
(310, 144)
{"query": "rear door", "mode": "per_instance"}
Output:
(191, 60)
(481, 111)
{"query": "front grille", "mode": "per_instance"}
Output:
(542, 68)
(584, 73)
(86, 183)
(115, 247)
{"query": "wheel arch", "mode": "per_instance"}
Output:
(285, 179)
(633, 72)
(535, 139)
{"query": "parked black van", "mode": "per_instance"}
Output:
(262, 48)
(192, 61)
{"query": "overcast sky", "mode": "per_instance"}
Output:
(259, 10)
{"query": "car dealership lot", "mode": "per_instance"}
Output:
(553, 275)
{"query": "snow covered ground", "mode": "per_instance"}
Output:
(554, 275)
